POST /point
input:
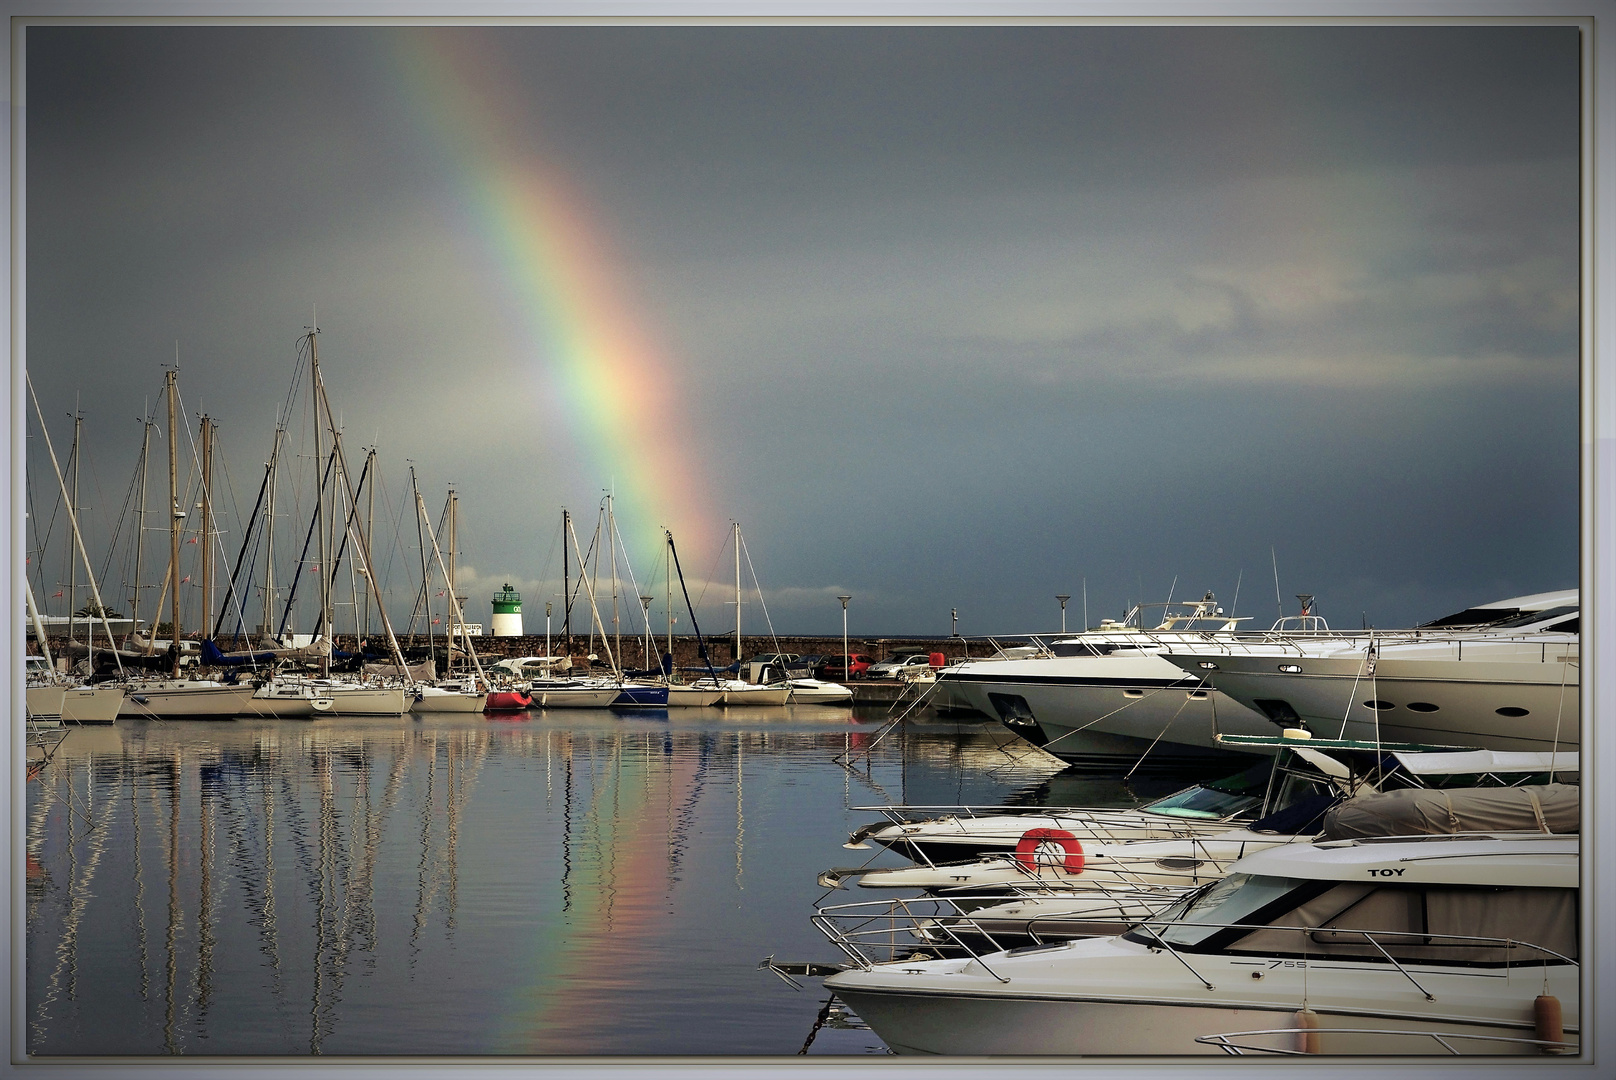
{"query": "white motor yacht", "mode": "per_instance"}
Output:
(1504, 676)
(1341, 947)
(1300, 780)
(815, 692)
(1108, 695)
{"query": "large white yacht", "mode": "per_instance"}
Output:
(1343, 947)
(1108, 695)
(1504, 676)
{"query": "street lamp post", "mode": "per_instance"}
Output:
(1063, 600)
(846, 660)
(547, 605)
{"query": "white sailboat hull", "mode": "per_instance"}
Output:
(368, 700)
(691, 697)
(182, 700)
(91, 704)
(435, 699)
(758, 695)
(45, 704)
(573, 697)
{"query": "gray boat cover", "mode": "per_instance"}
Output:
(1545, 808)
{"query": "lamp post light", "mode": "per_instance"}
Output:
(1062, 600)
(547, 606)
(645, 605)
(846, 660)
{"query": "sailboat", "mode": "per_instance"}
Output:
(49, 694)
(613, 691)
(177, 698)
(468, 693)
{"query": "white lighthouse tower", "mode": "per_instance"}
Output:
(507, 620)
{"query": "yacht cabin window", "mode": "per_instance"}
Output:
(1432, 923)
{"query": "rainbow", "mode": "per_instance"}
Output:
(616, 389)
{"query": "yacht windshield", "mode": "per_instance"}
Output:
(1527, 618)
(1200, 915)
(1220, 799)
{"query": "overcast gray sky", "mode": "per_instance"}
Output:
(945, 317)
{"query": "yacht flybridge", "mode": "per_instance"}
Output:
(1340, 947)
(1504, 676)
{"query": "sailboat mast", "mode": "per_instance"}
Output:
(737, 538)
(426, 580)
(269, 533)
(324, 622)
(454, 597)
(370, 524)
(667, 558)
(140, 520)
(202, 528)
(566, 578)
(72, 564)
(176, 516)
(454, 602)
(611, 539)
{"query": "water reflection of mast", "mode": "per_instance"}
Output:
(422, 897)
(566, 831)
(268, 925)
(462, 780)
(740, 818)
(79, 894)
(373, 839)
(172, 853)
(204, 916)
(322, 917)
(140, 890)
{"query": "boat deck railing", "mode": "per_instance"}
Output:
(916, 928)
(874, 932)
(1241, 1043)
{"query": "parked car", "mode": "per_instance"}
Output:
(892, 668)
(830, 668)
(804, 666)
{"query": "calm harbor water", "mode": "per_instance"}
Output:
(569, 882)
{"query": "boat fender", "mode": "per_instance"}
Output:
(1027, 849)
(1307, 1035)
(1547, 1017)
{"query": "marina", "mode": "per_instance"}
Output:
(592, 543)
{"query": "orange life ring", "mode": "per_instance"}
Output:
(1027, 848)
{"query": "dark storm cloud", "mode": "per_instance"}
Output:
(970, 310)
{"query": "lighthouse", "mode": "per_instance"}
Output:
(507, 613)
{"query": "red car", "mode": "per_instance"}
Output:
(830, 669)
